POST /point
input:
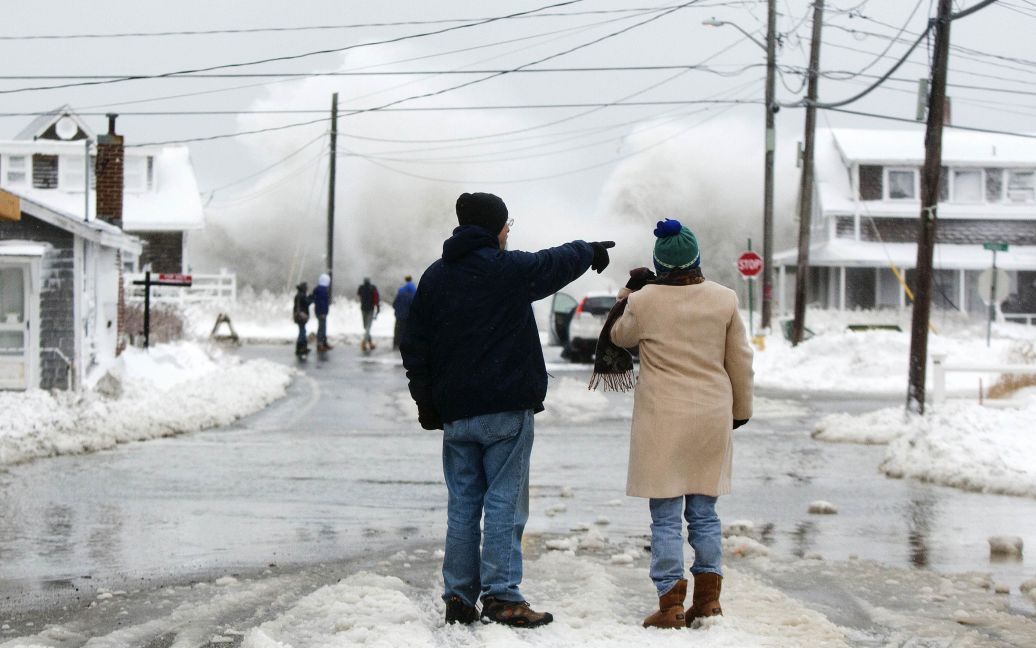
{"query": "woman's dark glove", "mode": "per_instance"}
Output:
(428, 417)
(739, 422)
(601, 259)
(639, 278)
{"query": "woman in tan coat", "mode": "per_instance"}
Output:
(695, 386)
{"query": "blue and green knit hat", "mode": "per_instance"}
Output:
(676, 247)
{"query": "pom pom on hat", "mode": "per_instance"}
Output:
(668, 227)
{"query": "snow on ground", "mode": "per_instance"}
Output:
(877, 427)
(594, 602)
(266, 317)
(171, 389)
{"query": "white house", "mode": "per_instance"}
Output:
(866, 211)
(46, 163)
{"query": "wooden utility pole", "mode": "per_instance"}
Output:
(331, 193)
(929, 204)
(806, 187)
(771, 144)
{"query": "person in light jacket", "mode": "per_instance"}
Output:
(695, 387)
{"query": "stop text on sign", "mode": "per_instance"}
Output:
(749, 264)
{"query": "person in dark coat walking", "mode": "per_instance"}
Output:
(472, 354)
(321, 299)
(401, 307)
(300, 314)
(370, 306)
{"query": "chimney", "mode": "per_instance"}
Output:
(109, 169)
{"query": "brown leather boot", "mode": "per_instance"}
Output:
(670, 608)
(705, 602)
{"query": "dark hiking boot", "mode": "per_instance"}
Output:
(516, 614)
(705, 602)
(457, 611)
(670, 608)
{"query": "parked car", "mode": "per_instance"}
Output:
(576, 325)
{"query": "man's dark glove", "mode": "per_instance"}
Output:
(601, 259)
(428, 417)
(739, 422)
(639, 278)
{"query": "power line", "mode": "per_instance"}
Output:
(269, 167)
(290, 57)
(907, 120)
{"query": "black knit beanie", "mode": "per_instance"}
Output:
(482, 209)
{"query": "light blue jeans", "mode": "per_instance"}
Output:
(486, 463)
(704, 533)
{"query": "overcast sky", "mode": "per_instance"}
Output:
(571, 159)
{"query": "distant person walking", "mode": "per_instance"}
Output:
(300, 314)
(401, 307)
(370, 306)
(321, 299)
(473, 356)
(695, 387)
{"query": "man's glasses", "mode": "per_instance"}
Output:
(510, 223)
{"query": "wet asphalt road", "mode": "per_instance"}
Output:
(339, 470)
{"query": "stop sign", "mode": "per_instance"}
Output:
(749, 264)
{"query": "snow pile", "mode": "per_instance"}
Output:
(569, 401)
(878, 427)
(594, 604)
(969, 446)
(266, 317)
(172, 389)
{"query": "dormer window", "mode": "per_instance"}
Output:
(44, 171)
(967, 186)
(1021, 186)
(135, 174)
(72, 172)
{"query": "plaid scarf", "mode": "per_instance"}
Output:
(613, 365)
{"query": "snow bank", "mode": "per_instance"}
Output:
(968, 446)
(594, 600)
(878, 427)
(172, 389)
(266, 317)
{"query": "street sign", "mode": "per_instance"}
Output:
(997, 247)
(173, 280)
(749, 264)
(985, 286)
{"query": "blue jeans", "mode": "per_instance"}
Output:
(301, 341)
(704, 533)
(486, 463)
(321, 329)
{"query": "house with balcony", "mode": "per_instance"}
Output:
(866, 216)
(47, 162)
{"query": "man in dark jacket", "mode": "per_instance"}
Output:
(401, 307)
(321, 299)
(370, 306)
(300, 313)
(472, 353)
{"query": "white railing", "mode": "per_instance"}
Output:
(1028, 318)
(205, 288)
(941, 369)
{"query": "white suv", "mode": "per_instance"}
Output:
(576, 325)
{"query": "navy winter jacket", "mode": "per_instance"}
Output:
(471, 345)
(320, 299)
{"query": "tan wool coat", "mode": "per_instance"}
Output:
(695, 379)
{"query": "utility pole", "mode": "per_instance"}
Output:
(331, 194)
(806, 188)
(929, 204)
(771, 144)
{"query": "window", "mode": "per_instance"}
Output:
(994, 185)
(16, 169)
(1021, 186)
(150, 172)
(134, 173)
(967, 186)
(72, 172)
(870, 182)
(44, 171)
(902, 184)
(944, 184)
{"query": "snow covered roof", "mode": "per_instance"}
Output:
(174, 204)
(906, 146)
(40, 125)
(23, 248)
(94, 230)
(869, 254)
